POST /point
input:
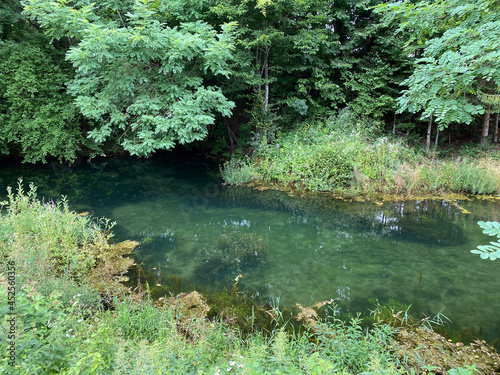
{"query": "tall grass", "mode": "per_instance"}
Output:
(147, 340)
(346, 155)
(50, 244)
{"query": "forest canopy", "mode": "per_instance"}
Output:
(144, 75)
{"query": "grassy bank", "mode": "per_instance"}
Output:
(346, 155)
(70, 315)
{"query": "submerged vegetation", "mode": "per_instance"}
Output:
(234, 253)
(66, 322)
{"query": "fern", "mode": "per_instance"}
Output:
(492, 251)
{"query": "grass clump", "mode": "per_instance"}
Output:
(237, 171)
(348, 156)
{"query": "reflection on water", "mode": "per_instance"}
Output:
(295, 249)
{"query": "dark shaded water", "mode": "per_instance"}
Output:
(317, 248)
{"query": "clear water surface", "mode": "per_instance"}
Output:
(318, 248)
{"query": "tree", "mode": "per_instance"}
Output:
(38, 118)
(457, 50)
(141, 70)
(313, 57)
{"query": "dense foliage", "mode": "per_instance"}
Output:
(38, 117)
(140, 79)
(149, 75)
(340, 156)
(457, 73)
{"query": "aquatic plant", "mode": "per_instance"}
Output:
(492, 251)
(233, 253)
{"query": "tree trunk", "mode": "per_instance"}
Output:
(437, 137)
(266, 85)
(429, 128)
(231, 135)
(486, 126)
(495, 134)
(394, 125)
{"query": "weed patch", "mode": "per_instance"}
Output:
(347, 160)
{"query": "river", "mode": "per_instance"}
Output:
(307, 249)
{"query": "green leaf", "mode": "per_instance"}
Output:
(141, 78)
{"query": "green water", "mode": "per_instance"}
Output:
(318, 248)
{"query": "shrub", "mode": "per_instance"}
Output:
(58, 248)
(63, 242)
(237, 172)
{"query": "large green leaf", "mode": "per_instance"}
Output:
(491, 251)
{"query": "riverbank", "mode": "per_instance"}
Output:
(347, 157)
(73, 316)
